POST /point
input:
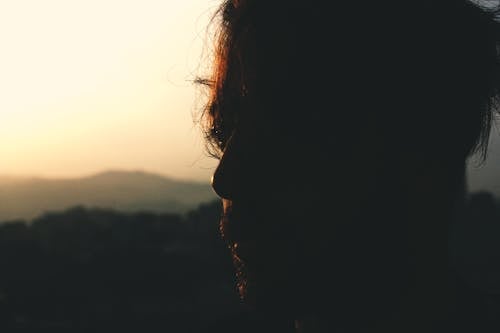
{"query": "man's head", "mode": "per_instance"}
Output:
(324, 117)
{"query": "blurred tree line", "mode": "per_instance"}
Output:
(93, 270)
(98, 270)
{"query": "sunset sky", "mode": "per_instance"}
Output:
(88, 85)
(92, 85)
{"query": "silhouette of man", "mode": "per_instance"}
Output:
(342, 130)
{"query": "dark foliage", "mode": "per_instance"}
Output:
(97, 270)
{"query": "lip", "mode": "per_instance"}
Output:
(238, 226)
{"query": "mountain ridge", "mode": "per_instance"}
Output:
(6, 177)
(128, 191)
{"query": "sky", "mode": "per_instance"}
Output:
(91, 85)
(486, 175)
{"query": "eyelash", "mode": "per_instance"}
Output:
(217, 134)
(221, 131)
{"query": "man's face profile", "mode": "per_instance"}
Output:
(342, 145)
(279, 198)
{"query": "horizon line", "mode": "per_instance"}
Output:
(99, 172)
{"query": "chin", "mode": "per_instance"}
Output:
(265, 283)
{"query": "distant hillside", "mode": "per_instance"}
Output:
(25, 198)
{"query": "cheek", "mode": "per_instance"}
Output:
(329, 197)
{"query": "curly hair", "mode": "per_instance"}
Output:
(425, 73)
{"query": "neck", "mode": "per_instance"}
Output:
(435, 197)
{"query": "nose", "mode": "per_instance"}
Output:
(220, 181)
(224, 177)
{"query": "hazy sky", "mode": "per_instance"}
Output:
(486, 176)
(88, 85)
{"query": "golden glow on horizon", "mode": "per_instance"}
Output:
(89, 85)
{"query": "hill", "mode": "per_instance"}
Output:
(25, 198)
